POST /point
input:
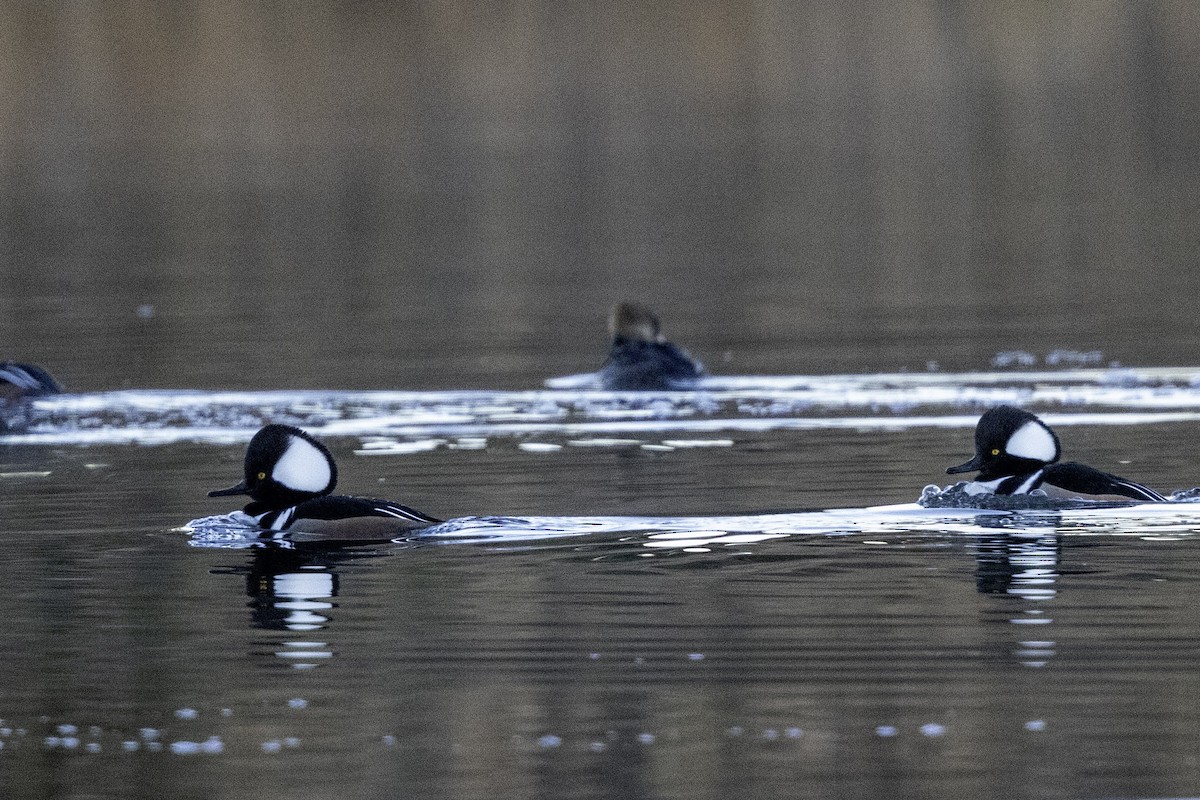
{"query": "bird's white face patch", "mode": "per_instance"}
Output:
(1033, 440)
(303, 467)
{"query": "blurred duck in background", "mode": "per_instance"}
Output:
(641, 358)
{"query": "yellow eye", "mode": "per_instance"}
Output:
(995, 452)
(262, 476)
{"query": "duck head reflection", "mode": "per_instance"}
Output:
(295, 589)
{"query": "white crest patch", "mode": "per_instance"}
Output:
(1033, 440)
(303, 467)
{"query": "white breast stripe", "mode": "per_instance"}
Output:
(1029, 484)
(278, 520)
(983, 487)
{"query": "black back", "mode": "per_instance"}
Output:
(1082, 479)
(333, 507)
(647, 366)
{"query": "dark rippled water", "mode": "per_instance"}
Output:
(636, 626)
(391, 224)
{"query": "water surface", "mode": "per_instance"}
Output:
(401, 226)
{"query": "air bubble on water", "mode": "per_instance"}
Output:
(1013, 358)
(886, 730)
(297, 702)
(549, 741)
(932, 729)
(186, 713)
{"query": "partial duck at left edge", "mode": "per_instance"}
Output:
(19, 380)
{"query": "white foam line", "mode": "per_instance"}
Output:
(909, 518)
(400, 426)
(759, 424)
(739, 385)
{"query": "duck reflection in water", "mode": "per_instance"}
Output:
(295, 589)
(1021, 561)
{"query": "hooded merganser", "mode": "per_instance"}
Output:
(289, 477)
(641, 358)
(1015, 453)
(25, 380)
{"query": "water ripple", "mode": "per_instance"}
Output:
(1151, 522)
(749, 404)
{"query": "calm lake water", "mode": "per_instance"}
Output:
(391, 224)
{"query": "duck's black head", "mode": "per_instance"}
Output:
(634, 323)
(1009, 441)
(284, 466)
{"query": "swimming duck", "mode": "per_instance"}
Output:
(289, 477)
(1016, 453)
(19, 380)
(641, 358)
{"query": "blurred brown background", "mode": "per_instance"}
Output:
(439, 194)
